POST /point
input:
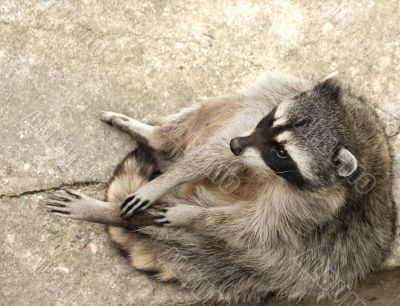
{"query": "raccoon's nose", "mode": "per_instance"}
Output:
(236, 147)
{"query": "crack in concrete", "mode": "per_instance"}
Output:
(44, 190)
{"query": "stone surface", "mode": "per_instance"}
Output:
(61, 62)
(62, 262)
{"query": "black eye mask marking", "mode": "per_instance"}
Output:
(292, 124)
(267, 121)
(274, 153)
(280, 152)
(284, 167)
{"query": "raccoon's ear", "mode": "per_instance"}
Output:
(345, 162)
(329, 86)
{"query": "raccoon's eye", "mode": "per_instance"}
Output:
(280, 152)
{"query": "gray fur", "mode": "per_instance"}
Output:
(268, 235)
(319, 252)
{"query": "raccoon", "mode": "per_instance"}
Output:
(284, 189)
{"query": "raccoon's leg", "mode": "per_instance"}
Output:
(179, 173)
(221, 222)
(195, 165)
(71, 204)
(144, 255)
(195, 162)
(141, 132)
(180, 215)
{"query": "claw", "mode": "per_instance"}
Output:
(57, 198)
(51, 202)
(129, 206)
(134, 208)
(130, 213)
(127, 200)
(56, 212)
(145, 205)
(161, 218)
(136, 201)
(74, 194)
(63, 215)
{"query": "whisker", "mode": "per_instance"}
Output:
(280, 172)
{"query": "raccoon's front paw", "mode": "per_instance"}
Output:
(178, 215)
(138, 201)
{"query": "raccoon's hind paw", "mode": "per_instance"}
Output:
(108, 117)
(59, 202)
(178, 215)
(71, 204)
(118, 120)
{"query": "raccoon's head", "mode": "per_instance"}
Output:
(303, 140)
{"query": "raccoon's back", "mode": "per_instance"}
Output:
(371, 188)
(369, 139)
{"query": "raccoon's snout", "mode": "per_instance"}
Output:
(236, 147)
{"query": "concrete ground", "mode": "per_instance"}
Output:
(61, 62)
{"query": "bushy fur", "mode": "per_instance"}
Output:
(262, 236)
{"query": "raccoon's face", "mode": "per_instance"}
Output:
(302, 139)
